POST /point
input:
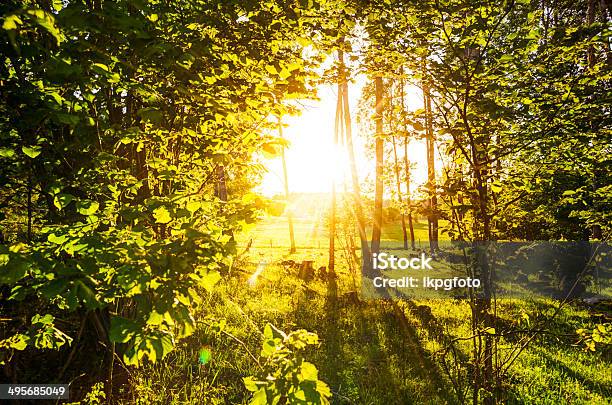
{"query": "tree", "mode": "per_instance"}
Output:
(378, 192)
(287, 195)
(432, 217)
(343, 89)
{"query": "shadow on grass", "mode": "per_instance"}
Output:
(370, 352)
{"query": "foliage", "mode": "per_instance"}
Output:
(95, 396)
(286, 377)
(136, 155)
(42, 334)
(598, 337)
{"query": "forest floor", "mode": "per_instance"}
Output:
(372, 351)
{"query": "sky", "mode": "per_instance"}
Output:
(312, 162)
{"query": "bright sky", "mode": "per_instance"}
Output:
(311, 161)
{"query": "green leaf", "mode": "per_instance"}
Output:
(54, 288)
(61, 201)
(31, 151)
(151, 114)
(268, 333)
(250, 383)
(308, 371)
(11, 22)
(122, 329)
(268, 348)
(14, 270)
(58, 240)
(87, 207)
(155, 318)
(17, 342)
(259, 398)
(496, 187)
(167, 344)
(209, 280)
(43, 320)
(7, 153)
(161, 215)
(193, 206)
(271, 69)
(86, 294)
(272, 332)
(47, 21)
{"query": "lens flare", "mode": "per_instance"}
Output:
(204, 356)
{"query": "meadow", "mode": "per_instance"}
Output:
(371, 351)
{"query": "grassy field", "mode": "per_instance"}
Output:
(372, 351)
(272, 232)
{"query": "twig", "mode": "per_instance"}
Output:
(240, 342)
(74, 348)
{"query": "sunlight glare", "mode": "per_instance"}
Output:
(314, 162)
(252, 281)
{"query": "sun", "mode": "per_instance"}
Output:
(314, 162)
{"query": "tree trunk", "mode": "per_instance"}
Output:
(332, 220)
(287, 196)
(366, 255)
(378, 192)
(432, 218)
(482, 236)
(221, 185)
(29, 232)
(399, 193)
(408, 198)
(221, 194)
(407, 167)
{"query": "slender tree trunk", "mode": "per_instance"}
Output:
(332, 232)
(221, 184)
(366, 255)
(590, 21)
(287, 196)
(408, 198)
(221, 194)
(431, 170)
(399, 193)
(332, 220)
(393, 127)
(29, 234)
(407, 165)
(482, 235)
(378, 192)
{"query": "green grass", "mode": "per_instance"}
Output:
(372, 351)
(272, 232)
